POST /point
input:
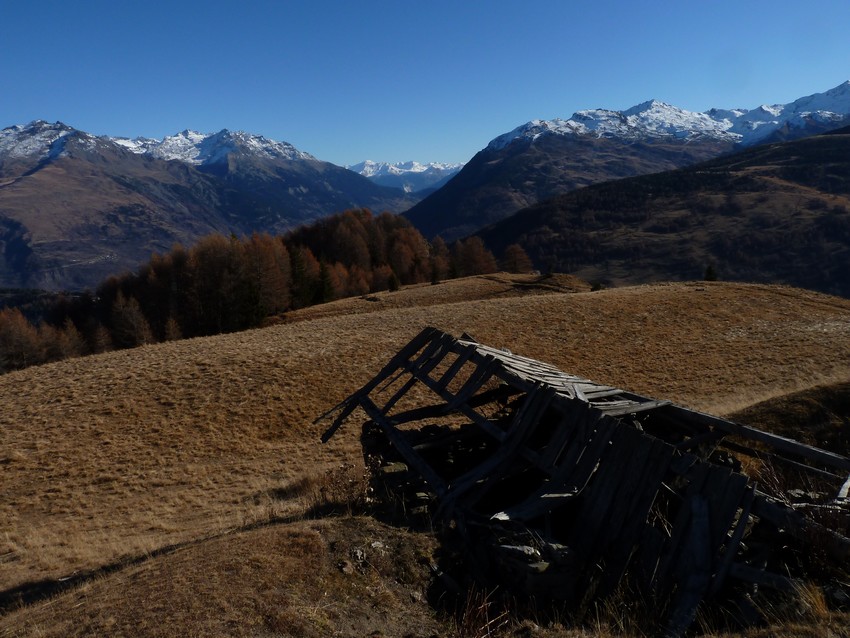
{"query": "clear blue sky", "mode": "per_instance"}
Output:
(430, 80)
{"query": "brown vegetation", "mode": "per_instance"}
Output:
(227, 284)
(778, 213)
(110, 458)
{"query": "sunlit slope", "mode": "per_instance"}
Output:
(120, 454)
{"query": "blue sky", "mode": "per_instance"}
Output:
(393, 81)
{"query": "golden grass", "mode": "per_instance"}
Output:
(114, 456)
(339, 577)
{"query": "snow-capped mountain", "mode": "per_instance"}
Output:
(655, 119)
(200, 149)
(41, 140)
(410, 176)
(75, 208)
(544, 158)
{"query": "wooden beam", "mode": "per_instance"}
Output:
(778, 442)
(434, 480)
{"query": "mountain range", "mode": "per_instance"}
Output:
(411, 177)
(75, 208)
(544, 158)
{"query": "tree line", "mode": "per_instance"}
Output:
(226, 284)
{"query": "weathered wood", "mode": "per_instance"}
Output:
(634, 519)
(780, 443)
(461, 360)
(844, 491)
(569, 479)
(620, 492)
(348, 405)
(694, 568)
(800, 527)
(666, 573)
(524, 422)
(779, 460)
(404, 448)
(478, 378)
(564, 433)
(630, 409)
(731, 547)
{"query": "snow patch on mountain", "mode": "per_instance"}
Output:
(655, 119)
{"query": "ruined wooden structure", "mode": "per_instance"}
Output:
(564, 488)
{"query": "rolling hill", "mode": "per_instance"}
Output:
(172, 489)
(776, 213)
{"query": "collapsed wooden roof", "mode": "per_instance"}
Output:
(571, 484)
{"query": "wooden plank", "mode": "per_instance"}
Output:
(570, 478)
(800, 527)
(477, 379)
(584, 425)
(432, 349)
(844, 491)
(778, 442)
(635, 510)
(694, 568)
(603, 392)
(564, 434)
(348, 405)
(462, 357)
(779, 460)
(731, 547)
(404, 389)
(666, 573)
(632, 409)
(605, 506)
(464, 409)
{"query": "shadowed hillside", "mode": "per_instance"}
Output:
(778, 213)
(498, 182)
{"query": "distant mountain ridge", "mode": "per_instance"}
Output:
(38, 138)
(544, 158)
(410, 176)
(656, 119)
(200, 149)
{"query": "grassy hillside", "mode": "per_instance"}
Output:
(171, 482)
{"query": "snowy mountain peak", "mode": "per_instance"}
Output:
(368, 168)
(38, 138)
(197, 148)
(409, 176)
(655, 119)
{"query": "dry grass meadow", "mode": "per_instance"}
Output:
(170, 484)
